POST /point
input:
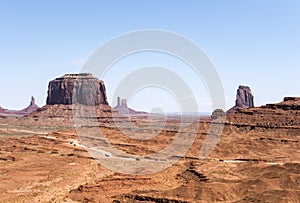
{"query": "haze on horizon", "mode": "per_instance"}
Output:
(254, 43)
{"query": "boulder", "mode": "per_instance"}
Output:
(218, 114)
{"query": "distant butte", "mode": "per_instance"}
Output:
(244, 99)
(122, 108)
(72, 95)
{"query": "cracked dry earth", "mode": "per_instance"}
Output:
(247, 165)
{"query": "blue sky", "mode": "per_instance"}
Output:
(254, 43)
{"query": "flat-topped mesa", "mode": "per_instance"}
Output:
(77, 75)
(82, 88)
(296, 99)
(289, 103)
(244, 99)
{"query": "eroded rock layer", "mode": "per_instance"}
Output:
(285, 113)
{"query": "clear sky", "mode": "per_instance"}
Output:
(250, 42)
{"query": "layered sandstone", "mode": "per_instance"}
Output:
(244, 99)
(283, 114)
(81, 88)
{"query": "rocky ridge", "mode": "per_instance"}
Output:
(282, 114)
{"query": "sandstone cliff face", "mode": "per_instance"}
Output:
(81, 88)
(244, 99)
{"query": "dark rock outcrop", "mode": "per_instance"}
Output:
(81, 88)
(244, 99)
